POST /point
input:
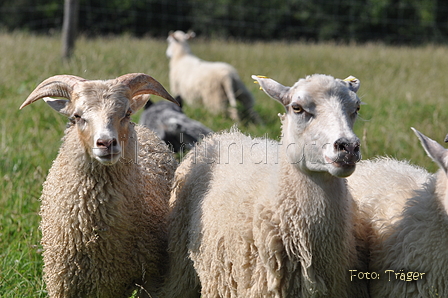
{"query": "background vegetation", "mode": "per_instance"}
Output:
(401, 86)
(391, 21)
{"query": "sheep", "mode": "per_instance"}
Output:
(104, 203)
(253, 217)
(381, 187)
(214, 85)
(170, 124)
(410, 255)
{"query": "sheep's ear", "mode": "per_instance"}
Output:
(434, 150)
(139, 101)
(274, 89)
(352, 83)
(59, 105)
(190, 34)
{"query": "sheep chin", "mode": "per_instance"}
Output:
(106, 158)
(340, 168)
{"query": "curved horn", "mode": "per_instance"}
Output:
(55, 86)
(141, 83)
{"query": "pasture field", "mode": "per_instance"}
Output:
(401, 86)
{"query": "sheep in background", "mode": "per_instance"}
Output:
(105, 199)
(412, 257)
(170, 124)
(260, 218)
(215, 85)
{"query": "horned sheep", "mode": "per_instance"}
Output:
(409, 248)
(260, 218)
(105, 199)
(215, 85)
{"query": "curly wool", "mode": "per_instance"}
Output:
(258, 234)
(104, 227)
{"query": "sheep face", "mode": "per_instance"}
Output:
(100, 110)
(318, 123)
(177, 43)
(101, 115)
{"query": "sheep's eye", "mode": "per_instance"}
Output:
(128, 114)
(296, 108)
(76, 118)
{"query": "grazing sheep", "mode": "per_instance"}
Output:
(260, 218)
(411, 257)
(105, 199)
(170, 124)
(215, 85)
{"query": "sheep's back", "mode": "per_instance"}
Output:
(417, 244)
(202, 82)
(382, 186)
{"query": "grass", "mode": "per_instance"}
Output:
(401, 86)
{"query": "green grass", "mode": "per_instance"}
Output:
(401, 86)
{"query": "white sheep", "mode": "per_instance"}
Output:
(105, 199)
(381, 187)
(410, 254)
(214, 85)
(260, 218)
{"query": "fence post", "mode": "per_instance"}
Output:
(69, 27)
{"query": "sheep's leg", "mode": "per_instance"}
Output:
(246, 99)
(228, 89)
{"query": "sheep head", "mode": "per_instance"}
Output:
(177, 43)
(318, 123)
(100, 110)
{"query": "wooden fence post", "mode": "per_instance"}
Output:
(69, 27)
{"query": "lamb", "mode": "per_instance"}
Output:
(105, 200)
(410, 256)
(170, 124)
(260, 218)
(215, 85)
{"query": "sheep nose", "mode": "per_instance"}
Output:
(344, 144)
(106, 144)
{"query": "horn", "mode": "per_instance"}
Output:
(141, 83)
(56, 86)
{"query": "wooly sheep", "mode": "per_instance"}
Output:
(381, 188)
(214, 85)
(170, 124)
(105, 199)
(411, 257)
(253, 217)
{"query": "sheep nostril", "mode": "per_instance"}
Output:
(344, 144)
(101, 143)
(340, 145)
